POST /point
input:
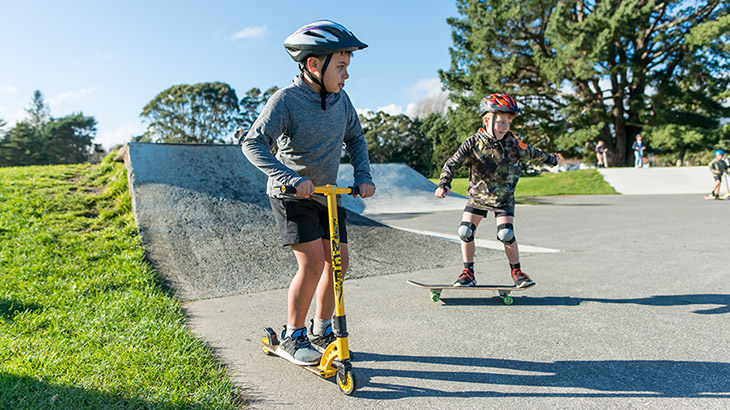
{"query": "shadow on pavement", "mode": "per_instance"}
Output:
(722, 301)
(23, 392)
(608, 378)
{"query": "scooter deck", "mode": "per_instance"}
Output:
(502, 290)
(269, 344)
(314, 368)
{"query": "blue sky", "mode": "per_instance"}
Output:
(108, 59)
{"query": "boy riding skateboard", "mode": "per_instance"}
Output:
(493, 156)
(718, 167)
(309, 120)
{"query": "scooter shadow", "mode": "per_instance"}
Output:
(722, 301)
(488, 378)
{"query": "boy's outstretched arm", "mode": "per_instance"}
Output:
(536, 154)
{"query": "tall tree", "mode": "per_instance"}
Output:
(22, 145)
(252, 104)
(69, 140)
(593, 70)
(38, 113)
(200, 113)
(395, 138)
(443, 140)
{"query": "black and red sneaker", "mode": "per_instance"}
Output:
(521, 279)
(466, 278)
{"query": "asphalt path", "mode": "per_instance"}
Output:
(631, 313)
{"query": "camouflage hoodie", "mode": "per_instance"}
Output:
(494, 168)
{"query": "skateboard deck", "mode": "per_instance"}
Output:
(721, 197)
(502, 290)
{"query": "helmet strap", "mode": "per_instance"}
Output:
(491, 125)
(322, 89)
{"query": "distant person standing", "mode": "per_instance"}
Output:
(601, 154)
(638, 148)
(718, 167)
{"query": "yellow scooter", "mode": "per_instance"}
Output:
(336, 357)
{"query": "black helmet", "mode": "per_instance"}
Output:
(321, 38)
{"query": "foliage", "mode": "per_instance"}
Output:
(200, 113)
(38, 113)
(84, 322)
(588, 71)
(252, 104)
(443, 140)
(66, 140)
(396, 138)
(581, 182)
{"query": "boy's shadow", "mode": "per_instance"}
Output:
(606, 378)
(722, 302)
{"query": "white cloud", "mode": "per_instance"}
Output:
(365, 112)
(120, 135)
(250, 32)
(8, 89)
(11, 118)
(391, 109)
(424, 88)
(105, 56)
(70, 95)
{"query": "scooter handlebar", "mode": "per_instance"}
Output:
(326, 189)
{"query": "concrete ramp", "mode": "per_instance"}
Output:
(655, 181)
(206, 224)
(399, 189)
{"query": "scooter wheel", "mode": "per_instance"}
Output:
(347, 383)
(265, 342)
(435, 296)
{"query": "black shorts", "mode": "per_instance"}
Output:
(717, 177)
(304, 220)
(483, 212)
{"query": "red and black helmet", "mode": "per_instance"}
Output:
(498, 103)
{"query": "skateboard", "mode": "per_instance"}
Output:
(502, 291)
(721, 197)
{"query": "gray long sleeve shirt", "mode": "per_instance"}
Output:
(309, 139)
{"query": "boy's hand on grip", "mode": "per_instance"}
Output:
(305, 189)
(366, 190)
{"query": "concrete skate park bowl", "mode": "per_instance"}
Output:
(206, 223)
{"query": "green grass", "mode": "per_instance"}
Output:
(84, 322)
(581, 182)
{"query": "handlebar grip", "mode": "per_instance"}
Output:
(292, 190)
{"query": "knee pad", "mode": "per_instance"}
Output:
(506, 234)
(466, 231)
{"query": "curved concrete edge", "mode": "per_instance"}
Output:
(659, 181)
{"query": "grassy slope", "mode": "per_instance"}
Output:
(582, 182)
(83, 321)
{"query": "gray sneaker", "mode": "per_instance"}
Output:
(320, 342)
(297, 348)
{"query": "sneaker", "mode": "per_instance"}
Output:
(320, 342)
(297, 348)
(466, 278)
(521, 279)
